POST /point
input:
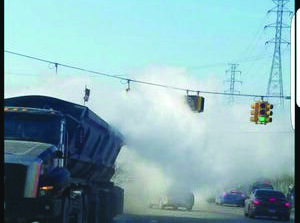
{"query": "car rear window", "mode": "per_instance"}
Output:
(266, 193)
(263, 186)
(235, 193)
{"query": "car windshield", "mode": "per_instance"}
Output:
(32, 127)
(267, 194)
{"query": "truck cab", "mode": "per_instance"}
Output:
(34, 141)
(59, 161)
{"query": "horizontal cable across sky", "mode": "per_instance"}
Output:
(56, 64)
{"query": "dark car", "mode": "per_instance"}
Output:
(260, 186)
(233, 197)
(264, 202)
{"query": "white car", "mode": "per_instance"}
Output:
(177, 200)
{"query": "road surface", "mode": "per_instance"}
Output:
(208, 214)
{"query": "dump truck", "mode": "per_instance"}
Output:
(59, 161)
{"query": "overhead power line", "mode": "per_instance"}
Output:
(135, 80)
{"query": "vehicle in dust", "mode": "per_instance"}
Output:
(177, 200)
(59, 161)
(232, 197)
(260, 185)
(266, 202)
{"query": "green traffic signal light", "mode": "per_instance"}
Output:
(262, 118)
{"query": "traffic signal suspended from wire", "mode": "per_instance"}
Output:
(261, 112)
(195, 102)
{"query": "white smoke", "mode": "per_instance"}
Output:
(167, 144)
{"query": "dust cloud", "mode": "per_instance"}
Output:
(167, 145)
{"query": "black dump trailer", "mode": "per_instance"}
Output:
(59, 161)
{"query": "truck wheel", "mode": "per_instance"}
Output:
(64, 216)
(65, 213)
(80, 210)
(85, 209)
(93, 207)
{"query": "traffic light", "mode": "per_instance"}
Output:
(269, 112)
(195, 102)
(262, 112)
(254, 112)
(200, 104)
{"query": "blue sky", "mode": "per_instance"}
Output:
(123, 37)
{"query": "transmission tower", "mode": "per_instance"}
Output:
(275, 86)
(233, 79)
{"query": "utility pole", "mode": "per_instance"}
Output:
(233, 79)
(275, 86)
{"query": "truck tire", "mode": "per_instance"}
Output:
(64, 216)
(85, 209)
(93, 207)
(80, 210)
(106, 207)
(117, 200)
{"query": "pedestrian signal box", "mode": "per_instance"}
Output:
(195, 102)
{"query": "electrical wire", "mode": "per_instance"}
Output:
(256, 37)
(243, 60)
(139, 81)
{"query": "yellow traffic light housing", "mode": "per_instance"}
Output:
(262, 112)
(195, 102)
(254, 112)
(269, 112)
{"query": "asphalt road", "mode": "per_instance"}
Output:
(211, 213)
